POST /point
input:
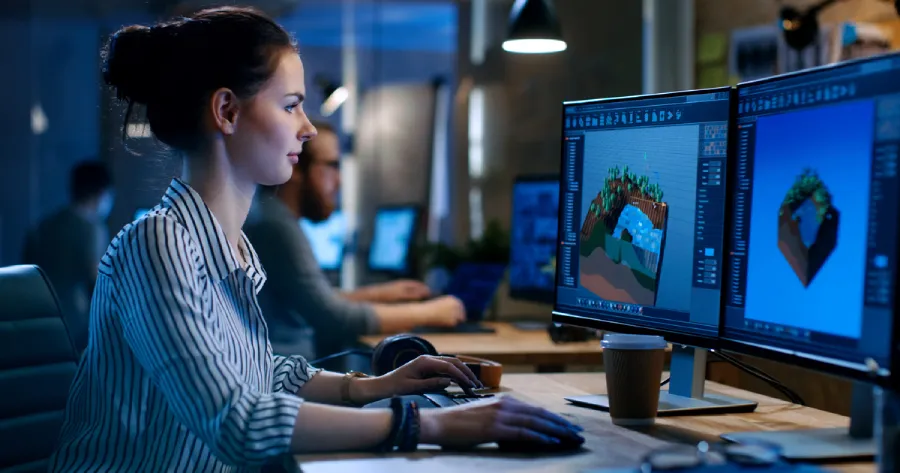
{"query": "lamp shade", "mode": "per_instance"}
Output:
(533, 28)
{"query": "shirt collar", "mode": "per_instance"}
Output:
(203, 227)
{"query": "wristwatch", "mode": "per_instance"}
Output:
(345, 386)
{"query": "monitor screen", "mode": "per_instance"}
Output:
(813, 240)
(532, 266)
(643, 211)
(327, 239)
(395, 229)
(140, 213)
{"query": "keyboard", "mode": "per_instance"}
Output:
(432, 400)
(450, 400)
(465, 327)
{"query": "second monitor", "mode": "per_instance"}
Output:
(642, 220)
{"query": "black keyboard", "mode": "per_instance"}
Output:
(450, 400)
(465, 327)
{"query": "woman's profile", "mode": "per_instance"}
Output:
(178, 374)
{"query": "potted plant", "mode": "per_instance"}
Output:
(441, 259)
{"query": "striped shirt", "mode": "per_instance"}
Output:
(179, 374)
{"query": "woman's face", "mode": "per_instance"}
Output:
(271, 127)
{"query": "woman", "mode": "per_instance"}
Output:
(178, 374)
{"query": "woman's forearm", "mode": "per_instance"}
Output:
(371, 294)
(322, 428)
(325, 388)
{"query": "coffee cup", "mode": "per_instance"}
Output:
(633, 365)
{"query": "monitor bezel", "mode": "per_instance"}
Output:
(409, 262)
(532, 294)
(558, 316)
(834, 366)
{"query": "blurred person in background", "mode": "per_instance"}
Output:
(68, 244)
(299, 302)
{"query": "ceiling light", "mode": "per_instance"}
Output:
(334, 99)
(533, 28)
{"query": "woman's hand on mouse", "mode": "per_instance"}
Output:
(502, 419)
(423, 374)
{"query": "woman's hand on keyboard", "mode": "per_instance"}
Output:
(503, 420)
(428, 373)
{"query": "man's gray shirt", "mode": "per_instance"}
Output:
(298, 301)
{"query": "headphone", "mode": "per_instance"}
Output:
(397, 350)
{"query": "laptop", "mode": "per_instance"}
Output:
(475, 284)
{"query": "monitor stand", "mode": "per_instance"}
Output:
(887, 430)
(685, 395)
(840, 443)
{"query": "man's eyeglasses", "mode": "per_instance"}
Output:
(682, 457)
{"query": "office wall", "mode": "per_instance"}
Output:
(726, 15)
(50, 63)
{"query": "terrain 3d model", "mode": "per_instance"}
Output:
(807, 226)
(622, 239)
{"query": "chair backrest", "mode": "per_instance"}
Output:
(37, 364)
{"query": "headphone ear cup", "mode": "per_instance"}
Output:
(398, 350)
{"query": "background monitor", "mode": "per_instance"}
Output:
(393, 238)
(642, 214)
(327, 239)
(532, 259)
(140, 213)
(813, 238)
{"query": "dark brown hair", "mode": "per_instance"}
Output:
(172, 68)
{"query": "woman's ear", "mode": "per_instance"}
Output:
(225, 109)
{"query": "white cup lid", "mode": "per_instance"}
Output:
(625, 341)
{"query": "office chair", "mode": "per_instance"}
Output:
(37, 364)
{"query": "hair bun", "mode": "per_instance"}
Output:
(129, 64)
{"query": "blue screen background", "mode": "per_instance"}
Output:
(533, 235)
(836, 142)
(390, 243)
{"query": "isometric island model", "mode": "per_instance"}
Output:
(807, 226)
(622, 239)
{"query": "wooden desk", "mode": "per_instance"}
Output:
(511, 346)
(607, 445)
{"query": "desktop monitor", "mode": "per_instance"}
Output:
(532, 259)
(393, 239)
(327, 239)
(813, 238)
(642, 217)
